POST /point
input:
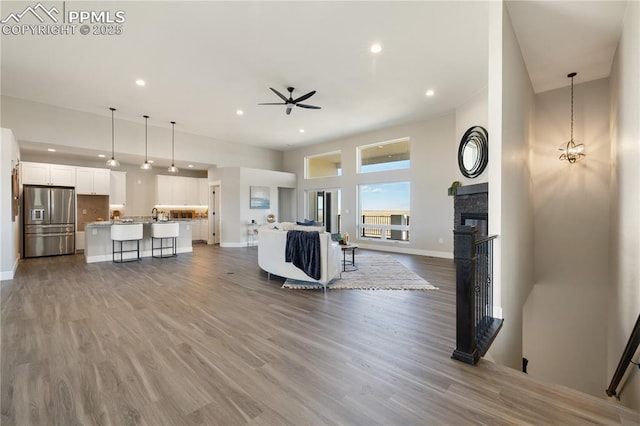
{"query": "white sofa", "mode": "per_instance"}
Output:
(271, 255)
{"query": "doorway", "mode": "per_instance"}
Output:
(323, 206)
(214, 215)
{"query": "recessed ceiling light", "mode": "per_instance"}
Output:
(101, 155)
(149, 161)
(51, 150)
(140, 82)
(380, 146)
(301, 130)
(430, 93)
(239, 112)
(190, 166)
(376, 48)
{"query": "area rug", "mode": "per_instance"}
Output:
(374, 273)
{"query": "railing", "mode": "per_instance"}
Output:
(384, 228)
(625, 359)
(476, 328)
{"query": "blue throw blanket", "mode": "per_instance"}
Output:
(303, 250)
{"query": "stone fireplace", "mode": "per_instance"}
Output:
(471, 207)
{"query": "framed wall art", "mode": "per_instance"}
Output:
(260, 197)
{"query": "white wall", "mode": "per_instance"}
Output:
(474, 112)
(9, 226)
(565, 319)
(41, 123)
(234, 210)
(624, 291)
(433, 168)
(510, 193)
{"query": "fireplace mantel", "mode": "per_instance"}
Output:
(477, 188)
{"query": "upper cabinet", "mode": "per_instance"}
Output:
(47, 174)
(164, 190)
(90, 181)
(177, 191)
(204, 192)
(118, 193)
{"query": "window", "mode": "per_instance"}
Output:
(323, 165)
(391, 155)
(384, 211)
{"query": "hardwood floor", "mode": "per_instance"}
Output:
(205, 338)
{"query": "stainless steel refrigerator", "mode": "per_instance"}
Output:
(49, 221)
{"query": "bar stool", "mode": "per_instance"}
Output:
(163, 232)
(121, 233)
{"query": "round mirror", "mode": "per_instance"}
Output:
(473, 154)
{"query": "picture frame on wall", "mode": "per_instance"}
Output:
(260, 197)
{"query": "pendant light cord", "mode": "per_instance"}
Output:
(173, 143)
(113, 144)
(572, 109)
(146, 117)
(571, 76)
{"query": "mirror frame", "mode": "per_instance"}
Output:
(479, 136)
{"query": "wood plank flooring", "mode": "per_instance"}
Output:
(205, 339)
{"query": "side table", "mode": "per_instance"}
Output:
(352, 248)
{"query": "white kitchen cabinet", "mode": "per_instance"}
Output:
(195, 230)
(177, 191)
(204, 230)
(192, 191)
(200, 230)
(79, 240)
(203, 196)
(118, 194)
(164, 190)
(47, 174)
(90, 181)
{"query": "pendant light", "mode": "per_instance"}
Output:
(173, 168)
(146, 165)
(112, 162)
(571, 151)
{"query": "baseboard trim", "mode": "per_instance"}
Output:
(8, 275)
(237, 245)
(407, 250)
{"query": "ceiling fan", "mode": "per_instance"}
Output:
(290, 103)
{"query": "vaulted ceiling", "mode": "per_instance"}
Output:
(203, 61)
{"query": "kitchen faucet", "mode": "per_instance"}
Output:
(154, 214)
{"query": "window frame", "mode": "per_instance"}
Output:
(324, 154)
(384, 228)
(360, 148)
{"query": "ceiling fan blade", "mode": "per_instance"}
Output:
(289, 108)
(279, 94)
(304, 97)
(273, 103)
(308, 106)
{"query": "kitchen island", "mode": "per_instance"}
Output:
(99, 248)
